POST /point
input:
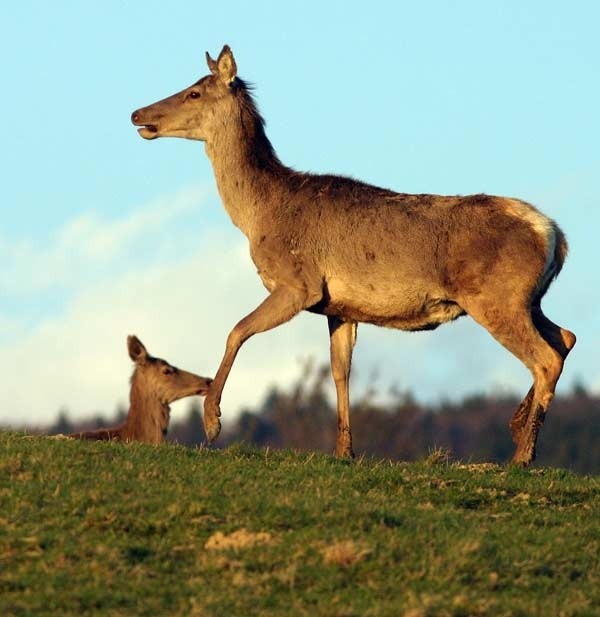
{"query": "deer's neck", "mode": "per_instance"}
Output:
(147, 419)
(247, 170)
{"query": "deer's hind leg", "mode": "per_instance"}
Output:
(513, 326)
(342, 337)
(562, 341)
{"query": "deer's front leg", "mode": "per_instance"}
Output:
(280, 306)
(342, 336)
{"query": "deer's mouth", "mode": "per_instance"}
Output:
(148, 131)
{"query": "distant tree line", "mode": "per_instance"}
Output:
(473, 429)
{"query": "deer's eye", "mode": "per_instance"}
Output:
(194, 94)
(168, 370)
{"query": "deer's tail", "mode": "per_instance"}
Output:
(560, 250)
(557, 253)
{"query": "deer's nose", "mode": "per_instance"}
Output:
(135, 116)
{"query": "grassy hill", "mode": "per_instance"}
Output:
(110, 529)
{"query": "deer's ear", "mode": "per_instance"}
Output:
(137, 351)
(212, 64)
(226, 66)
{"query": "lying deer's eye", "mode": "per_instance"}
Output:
(194, 94)
(168, 370)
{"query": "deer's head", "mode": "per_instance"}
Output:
(162, 381)
(197, 111)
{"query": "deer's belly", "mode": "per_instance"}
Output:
(394, 306)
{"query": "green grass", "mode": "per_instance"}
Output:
(111, 529)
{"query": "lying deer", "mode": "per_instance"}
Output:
(155, 384)
(359, 253)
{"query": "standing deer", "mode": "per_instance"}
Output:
(359, 253)
(155, 384)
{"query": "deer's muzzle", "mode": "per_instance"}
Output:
(147, 131)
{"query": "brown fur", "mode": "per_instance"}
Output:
(154, 385)
(360, 253)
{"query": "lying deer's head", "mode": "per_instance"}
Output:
(159, 380)
(194, 112)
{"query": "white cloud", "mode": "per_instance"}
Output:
(83, 247)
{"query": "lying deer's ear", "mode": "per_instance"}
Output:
(137, 351)
(212, 64)
(226, 67)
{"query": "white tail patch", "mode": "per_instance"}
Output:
(544, 227)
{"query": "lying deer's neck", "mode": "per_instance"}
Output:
(246, 168)
(148, 418)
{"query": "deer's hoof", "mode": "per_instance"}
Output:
(523, 456)
(212, 424)
(212, 430)
(344, 451)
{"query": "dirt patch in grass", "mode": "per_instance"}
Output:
(344, 553)
(238, 540)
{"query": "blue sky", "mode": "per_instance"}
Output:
(104, 234)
